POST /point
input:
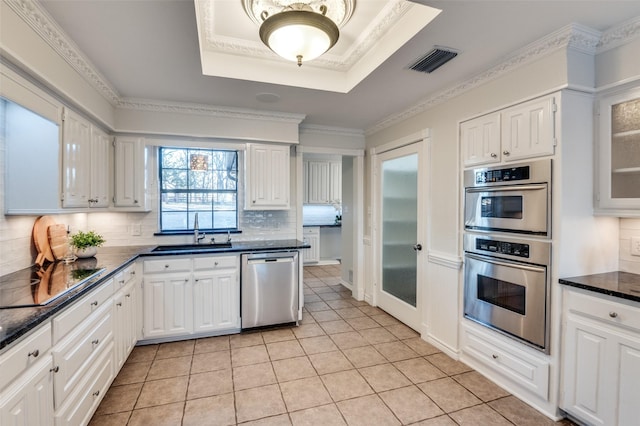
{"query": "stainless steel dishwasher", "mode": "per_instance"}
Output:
(270, 286)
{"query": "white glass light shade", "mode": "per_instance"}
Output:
(299, 35)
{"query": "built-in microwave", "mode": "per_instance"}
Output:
(516, 198)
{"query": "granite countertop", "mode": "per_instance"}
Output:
(624, 285)
(16, 322)
(327, 225)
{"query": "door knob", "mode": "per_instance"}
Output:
(417, 247)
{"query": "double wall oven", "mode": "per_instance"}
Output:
(507, 245)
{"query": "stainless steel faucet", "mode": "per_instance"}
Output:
(196, 234)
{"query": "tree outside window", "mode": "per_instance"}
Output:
(199, 181)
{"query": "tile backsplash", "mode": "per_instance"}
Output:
(17, 250)
(629, 228)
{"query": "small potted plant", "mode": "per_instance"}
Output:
(86, 243)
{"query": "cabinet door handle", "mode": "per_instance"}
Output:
(121, 281)
(494, 155)
(133, 272)
(127, 295)
(166, 266)
(613, 314)
(119, 304)
(34, 353)
(95, 342)
(96, 393)
(54, 369)
(215, 263)
(494, 356)
(505, 152)
(94, 303)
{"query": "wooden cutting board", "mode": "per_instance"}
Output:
(58, 240)
(41, 239)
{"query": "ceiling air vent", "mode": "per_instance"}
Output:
(434, 59)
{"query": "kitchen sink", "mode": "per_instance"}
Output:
(192, 247)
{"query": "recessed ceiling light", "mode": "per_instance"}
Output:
(268, 98)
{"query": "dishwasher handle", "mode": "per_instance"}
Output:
(270, 260)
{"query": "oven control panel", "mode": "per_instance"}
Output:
(502, 175)
(503, 247)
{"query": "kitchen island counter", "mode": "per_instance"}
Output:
(624, 285)
(18, 321)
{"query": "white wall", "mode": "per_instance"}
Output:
(348, 208)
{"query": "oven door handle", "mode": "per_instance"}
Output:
(505, 263)
(507, 188)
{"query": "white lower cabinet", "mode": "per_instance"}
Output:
(196, 295)
(26, 381)
(312, 237)
(523, 368)
(125, 313)
(29, 401)
(601, 359)
(216, 294)
(83, 402)
(167, 302)
(78, 351)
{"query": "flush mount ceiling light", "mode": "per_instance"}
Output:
(299, 30)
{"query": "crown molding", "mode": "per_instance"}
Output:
(572, 36)
(210, 110)
(330, 130)
(32, 12)
(619, 35)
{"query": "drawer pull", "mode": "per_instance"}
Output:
(613, 314)
(494, 356)
(127, 295)
(119, 304)
(95, 342)
(166, 266)
(132, 272)
(94, 303)
(121, 281)
(54, 369)
(215, 263)
(34, 353)
(494, 155)
(96, 393)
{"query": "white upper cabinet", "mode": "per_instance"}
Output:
(528, 129)
(130, 167)
(335, 182)
(100, 151)
(322, 182)
(522, 131)
(480, 139)
(618, 190)
(85, 163)
(267, 172)
(318, 182)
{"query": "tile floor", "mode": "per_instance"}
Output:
(348, 363)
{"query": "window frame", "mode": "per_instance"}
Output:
(188, 191)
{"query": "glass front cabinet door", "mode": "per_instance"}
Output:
(618, 189)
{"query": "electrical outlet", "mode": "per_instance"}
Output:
(635, 246)
(136, 229)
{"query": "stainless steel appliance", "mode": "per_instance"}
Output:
(516, 198)
(507, 285)
(269, 288)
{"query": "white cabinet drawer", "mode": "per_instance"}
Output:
(25, 354)
(607, 311)
(76, 353)
(85, 400)
(215, 262)
(521, 367)
(70, 318)
(130, 273)
(311, 230)
(167, 265)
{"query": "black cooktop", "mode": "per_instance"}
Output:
(41, 285)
